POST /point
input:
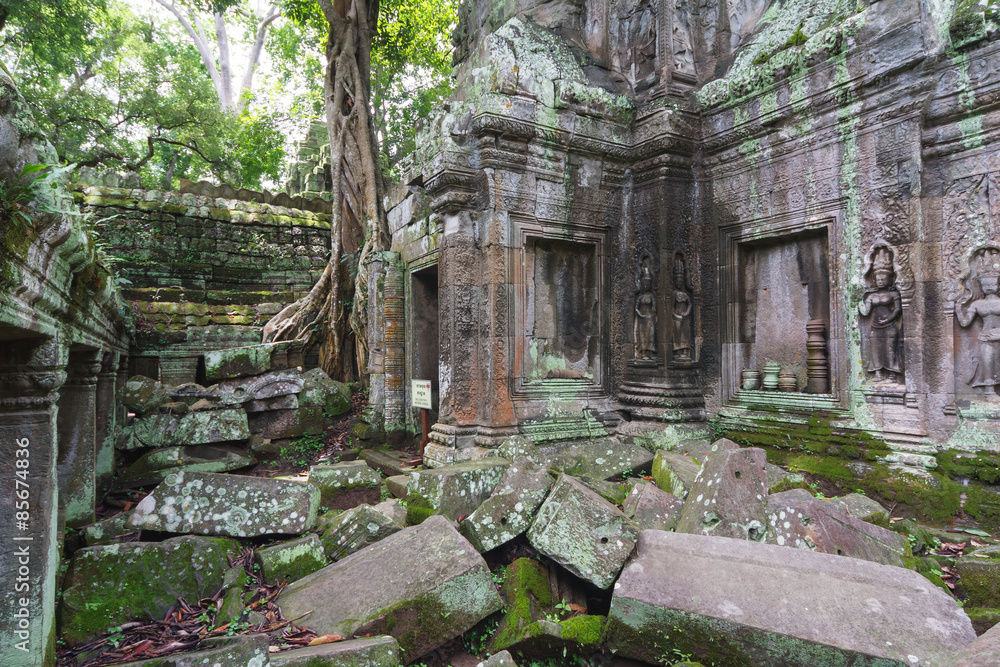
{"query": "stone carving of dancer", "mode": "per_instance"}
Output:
(884, 306)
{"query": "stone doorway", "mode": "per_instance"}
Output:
(424, 350)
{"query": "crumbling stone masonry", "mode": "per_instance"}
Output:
(780, 216)
(63, 340)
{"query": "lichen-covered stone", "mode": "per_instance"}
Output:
(583, 532)
(798, 520)
(258, 388)
(736, 602)
(393, 509)
(600, 459)
(153, 467)
(424, 585)
(243, 650)
(862, 507)
(355, 529)
(277, 424)
(501, 659)
(674, 473)
(320, 390)
(650, 508)
(194, 428)
(236, 362)
(613, 492)
(290, 560)
(509, 511)
(142, 394)
(517, 446)
(729, 496)
(238, 506)
(396, 485)
(345, 485)
(456, 490)
(108, 530)
(110, 585)
(367, 652)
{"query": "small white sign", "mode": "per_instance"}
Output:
(421, 390)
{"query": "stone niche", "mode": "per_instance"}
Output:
(563, 311)
(784, 283)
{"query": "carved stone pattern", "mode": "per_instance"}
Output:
(965, 208)
(887, 217)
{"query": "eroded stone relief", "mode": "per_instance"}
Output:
(882, 316)
(980, 304)
(681, 310)
(645, 312)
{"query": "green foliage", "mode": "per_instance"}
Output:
(299, 452)
(114, 89)
(15, 196)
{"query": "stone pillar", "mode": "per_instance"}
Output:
(76, 428)
(30, 376)
(104, 454)
(394, 342)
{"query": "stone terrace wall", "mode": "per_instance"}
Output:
(205, 272)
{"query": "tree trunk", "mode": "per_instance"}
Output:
(358, 226)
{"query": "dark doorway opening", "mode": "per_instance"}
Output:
(424, 319)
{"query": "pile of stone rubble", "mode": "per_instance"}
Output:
(698, 561)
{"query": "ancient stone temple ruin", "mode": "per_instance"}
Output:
(751, 248)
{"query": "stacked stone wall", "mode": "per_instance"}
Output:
(205, 272)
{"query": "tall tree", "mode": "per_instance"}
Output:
(358, 221)
(215, 51)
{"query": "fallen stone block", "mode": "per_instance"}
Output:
(389, 463)
(510, 510)
(110, 585)
(266, 387)
(319, 390)
(979, 576)
(613, 492)
(276, 424)
(454, 491)
(517, 446)
(155, 466)
(288, 402)
(798, 520)
(367, 652)
(674, 473)
(729, 496)
(983, 652)
(355, 529)
(194, 428)
(238, 506)
(600, 459)
(424, 585)
(862, 507)
(396, 485)
(650, 508)
(249, 650)
(141, 394)
(346, 485)
(107, 531)
(738, 602)
(583, 532)
(501, 659)
(237, 362)
(779, 479)
(393, 509)
(290, 560)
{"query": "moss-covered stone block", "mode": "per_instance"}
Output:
(367, 652)
(319, 390)
(509, 511)
(674, 473)
(583, 532)
(979, 573)
(289, 561)
(456, 490)
(346, 485)
(111, 585)
(194, 428)
(155, 466)
(355, 529)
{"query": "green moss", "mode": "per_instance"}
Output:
(983, 619)
(586, 630)
(418, 508)
(528, 595)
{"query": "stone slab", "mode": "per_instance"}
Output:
(674, 473)
(800, 521)
(509, 511)
(291, 560)
(501, 659)
(600, 459)
(862, 507)
(651, 508)
(984, 652)
(233, 505)
(109, 585)
(155, 466)
(268, 386)
(141, 394)
(319, 390)
(237, 362)
(379, 590)
(456, 490)
(760, 604)
(345, 485)
(355, 529)
(388, 463)
(277, 424)
(729, 496)
(583, 532)
(393, 509)
(396, 485)
(367, 652)
(107, 531)
(194, 428)
(244, 650)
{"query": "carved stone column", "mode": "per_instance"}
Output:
(31, 373)
(104, 455)
(76, 434)
(395, 348)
